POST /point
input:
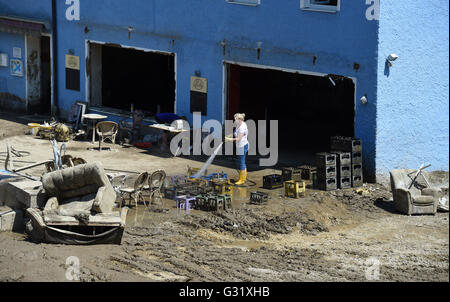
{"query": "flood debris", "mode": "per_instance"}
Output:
(79, 209)
(410, 196)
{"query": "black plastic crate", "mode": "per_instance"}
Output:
(357, 181)
(291, 173)
(170, 193)
(327, 184)
(345, 182)
(357, 170)
(307, 172)
(345, 144)
(258, 197)
(327, 172)
(343, 158)
(344, 171)
(273, 181)
(324, 159)
(356, 157)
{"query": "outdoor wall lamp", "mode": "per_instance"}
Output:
(130, 29)
(364, 100)
(259, 44)
(391, 58)
(198, 73)
(224, 46)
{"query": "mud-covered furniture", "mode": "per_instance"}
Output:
(155, 184)
(410, 195)
(136, 192)
(106, 131)
(80, 208)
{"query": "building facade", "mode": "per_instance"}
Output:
(264, 58)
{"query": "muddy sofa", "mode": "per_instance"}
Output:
(79, 210)
(415, 200)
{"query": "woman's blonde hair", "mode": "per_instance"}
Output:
(239, 116)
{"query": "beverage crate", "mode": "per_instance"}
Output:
(197, 181)
(215, 203)
(357, 181)
(170, 193)
(178, 179)
(345, 144)
(294, 189)
(356, 157)
(307, 172)
(222, 186)
(191, 171)
(205, 189)
(258, 197)
(326, 184)
(327, 172)
(345, 182)
(227, 201)
(344, 171)
(201, 201)
(185, 202)
(357, 170)
(272, 181)
(343, 158)
(291, 173)
(324, 159)
(213, 176)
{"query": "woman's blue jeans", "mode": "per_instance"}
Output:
(241, 156)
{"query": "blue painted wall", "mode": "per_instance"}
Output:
(33, 9)
(24, 9)
(12, 85)
(194, 30)
(413, 95)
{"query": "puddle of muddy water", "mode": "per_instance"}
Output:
(142, 216)
(245, 245)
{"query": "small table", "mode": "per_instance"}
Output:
(94, 117)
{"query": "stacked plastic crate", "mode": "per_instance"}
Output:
(326, 171)
(345, 148)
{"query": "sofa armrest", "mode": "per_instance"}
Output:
(51, 204)
(36, 217)
(104, 200)
(431, 192)
(403, 201)
(402, 194)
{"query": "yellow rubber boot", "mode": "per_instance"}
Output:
(242, 177)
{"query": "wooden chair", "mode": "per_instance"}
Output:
(106, 131)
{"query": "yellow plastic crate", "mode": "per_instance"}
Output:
(294, 189)
(222, 186)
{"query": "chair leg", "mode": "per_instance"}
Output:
(136, 196)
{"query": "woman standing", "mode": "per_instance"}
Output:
(240, 137)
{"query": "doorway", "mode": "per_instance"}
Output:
(309, 108)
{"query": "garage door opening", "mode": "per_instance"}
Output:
(121, 76)
(309, 109)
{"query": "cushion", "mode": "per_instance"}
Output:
(423, 200)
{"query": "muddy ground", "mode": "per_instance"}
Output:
(326, 236)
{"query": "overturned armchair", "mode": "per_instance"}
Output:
(80, 208)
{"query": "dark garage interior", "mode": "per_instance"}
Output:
(309, 109)
(145, 79)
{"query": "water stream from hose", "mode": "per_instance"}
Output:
(208, 162)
